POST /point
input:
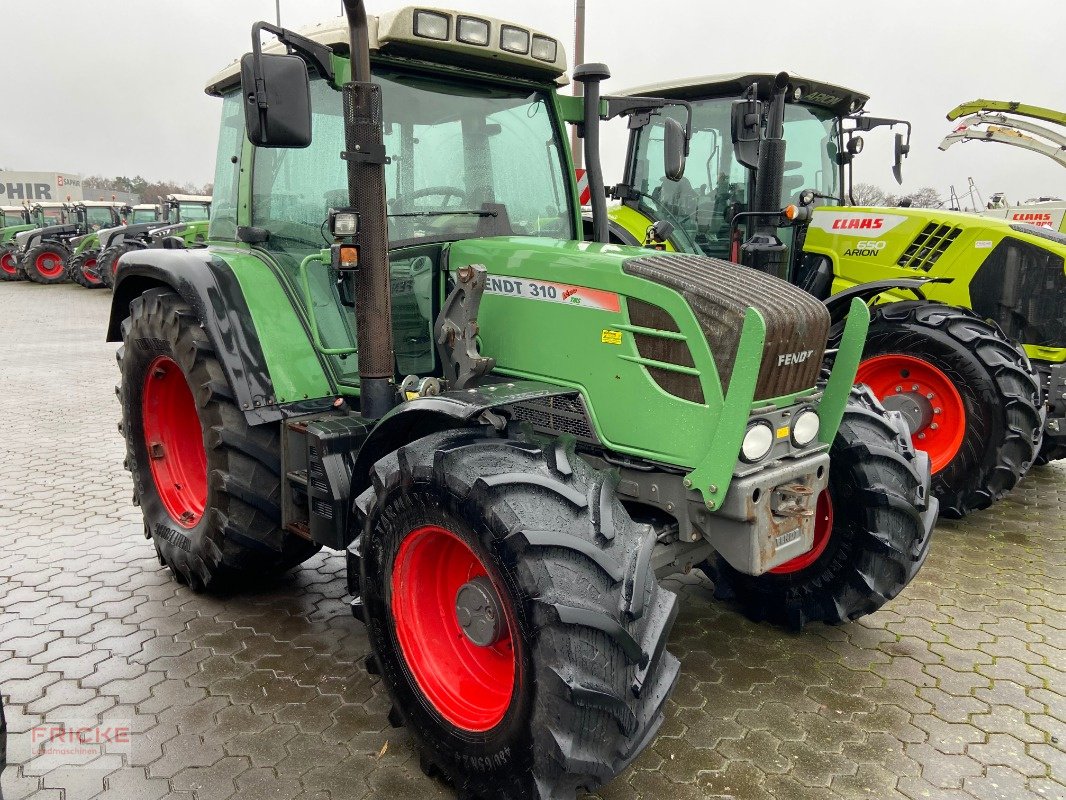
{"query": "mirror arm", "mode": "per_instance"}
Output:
(317, 55)
(640, 110)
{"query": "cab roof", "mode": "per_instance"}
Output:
(391, 33)
(189, 198)
(12, 208)
(98, 203)
(813, 92)
(144, 207)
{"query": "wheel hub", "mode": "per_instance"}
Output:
(478, 610)
(917, 408)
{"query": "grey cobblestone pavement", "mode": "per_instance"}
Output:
(954, 691)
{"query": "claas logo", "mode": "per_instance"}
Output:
(852, 223)
(1032, 217)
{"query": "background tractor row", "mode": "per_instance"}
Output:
(961, 303)
(18, 219)
(395, 343)
(42, 254)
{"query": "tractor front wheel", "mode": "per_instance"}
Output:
(82, 270)
(9, 264)
(208, 484)
(46, 263)
(107, 262)
(969, 396)
(513, 614)
(872, 530)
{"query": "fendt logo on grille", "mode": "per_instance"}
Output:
(788, 359)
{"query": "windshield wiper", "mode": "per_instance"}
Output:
(457, 212)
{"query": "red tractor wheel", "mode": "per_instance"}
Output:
(513, 613)
(46, 263)
(9, 270)
(82, 270)
(207, 482)
(969, 396)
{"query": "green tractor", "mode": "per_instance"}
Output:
(395, 343)
(181, 220)
(18, 219)
(44, 253)
(951, 293)
(83, 266)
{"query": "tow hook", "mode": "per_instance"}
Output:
(792, 500)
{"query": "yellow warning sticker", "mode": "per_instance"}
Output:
(782, 432)
(611, 337)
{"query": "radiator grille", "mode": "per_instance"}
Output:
(928, 246)
(719, 293)
(557, 414)
(670, 351)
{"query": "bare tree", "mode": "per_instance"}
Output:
(866, 194)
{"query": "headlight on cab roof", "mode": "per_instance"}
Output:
(544, 49)
(431, 25)
(514, 40)
(471, 30)
(805, 427)
(758, 442)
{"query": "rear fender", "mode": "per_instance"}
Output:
(208, 284)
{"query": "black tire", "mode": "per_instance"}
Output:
(998, 387)
(593, 671)
(79, 264)
(879, 487)
(29, 262)
(1052, 448)
(107, 261)
(9, 270)
(239, 531)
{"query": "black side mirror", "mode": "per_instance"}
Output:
(901, 151)
(746, 130)
(673, 149)
(277, 100)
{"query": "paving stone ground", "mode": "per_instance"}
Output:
(954, 691)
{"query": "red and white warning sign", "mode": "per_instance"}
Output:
(583, 193)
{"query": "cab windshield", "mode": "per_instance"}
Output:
(715, 185)
(140, 215)
(99, 217)
(193, 212)
(466, 160)
(11, 218)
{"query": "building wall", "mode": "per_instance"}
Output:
(16, 187)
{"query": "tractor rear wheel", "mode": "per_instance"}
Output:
(46, 263)
(82, 270)
(513, 614)
(208, 484)
(9, 270)
(970, 398)
(872, 530)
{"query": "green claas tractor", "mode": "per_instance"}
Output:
(395, 343)
(950, 292)
(182, 221)
(44, 253)
(18, 219)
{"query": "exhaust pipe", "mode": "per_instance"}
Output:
(365, 156)
(591, 75)
(765, 249)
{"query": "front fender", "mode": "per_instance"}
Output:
(208, 284)
(839, 304)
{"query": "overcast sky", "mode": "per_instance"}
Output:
(115, 86)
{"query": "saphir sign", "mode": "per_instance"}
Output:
(30, 187)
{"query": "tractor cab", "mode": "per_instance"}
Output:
(11, 216)
(92, 215)
(143, 212)
(186, 208)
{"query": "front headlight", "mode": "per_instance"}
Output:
(805, 427)
(758, 441)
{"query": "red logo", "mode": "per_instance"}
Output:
(1032, 217)
(851, 223)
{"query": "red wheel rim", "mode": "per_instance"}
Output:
(7, 263)
(49, 264)
(928, 399)
(175, 442)
(469, 686)
(823, 531)
(87, 265)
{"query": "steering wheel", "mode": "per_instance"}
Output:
(444, 192)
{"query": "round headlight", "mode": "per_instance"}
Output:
(805, 427)
(758, 442)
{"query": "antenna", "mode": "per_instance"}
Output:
(277, 9)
